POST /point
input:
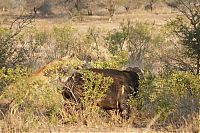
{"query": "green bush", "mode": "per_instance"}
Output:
(34, 42)
(9, 52)
(95, 86)
(59, 71)
(172, 92)
(93, 38)
(64, 40)
(9, 76)
(115, 62)
(32, 100)
(138, 41)
(23, 47)
(115, 41)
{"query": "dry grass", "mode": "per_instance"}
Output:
(158, 17)
(85, 121)
(94, 124)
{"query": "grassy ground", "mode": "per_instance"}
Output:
(158, 17)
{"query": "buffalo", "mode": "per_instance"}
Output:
(125, 83)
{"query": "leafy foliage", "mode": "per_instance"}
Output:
(33, 41)
(64, 38)
(9, 76)
(116, 39)
(32, 99)
(138, 40)
(188, 36)
(9, 52)
(174, 92)
(95, 87)
(115, 62)
(187, 28)
(134, 39)
(61, 69)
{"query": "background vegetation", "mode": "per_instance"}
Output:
(169, 54)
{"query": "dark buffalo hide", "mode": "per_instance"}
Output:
(124, 84)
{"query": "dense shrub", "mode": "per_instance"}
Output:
(32, 99)
(60, 70)
(115, 62)
(11, 53)
(115, 41)
(95, 86)
(64, 40)
(33, 42)
(9, 76)
(93, 89)
(133, 38)
(172, 93)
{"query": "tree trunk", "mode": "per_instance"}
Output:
(77, 4)
(198, 64)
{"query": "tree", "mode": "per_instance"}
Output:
(187, 28)
(132, 38)
(11, 52)
(138, 42)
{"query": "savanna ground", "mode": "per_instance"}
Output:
(168, 100)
